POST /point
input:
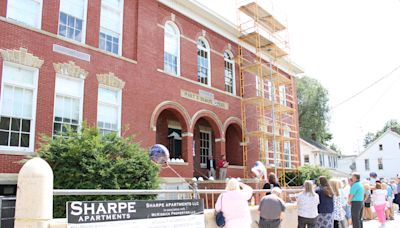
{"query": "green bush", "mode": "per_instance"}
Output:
(88, 160)
(312, 172)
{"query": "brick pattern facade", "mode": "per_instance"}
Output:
(141, 68)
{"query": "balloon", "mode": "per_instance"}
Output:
(159, 154)
(259, 170)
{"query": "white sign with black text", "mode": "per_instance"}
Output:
(138, 213)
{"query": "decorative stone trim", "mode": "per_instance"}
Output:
(187, 134)
(111, 80)
(70, 69)
(21, 56)
(220, 140)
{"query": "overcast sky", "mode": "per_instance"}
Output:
(346, 45)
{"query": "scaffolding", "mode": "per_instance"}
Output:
(268, 107)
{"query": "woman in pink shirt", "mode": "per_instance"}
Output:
(234, 204)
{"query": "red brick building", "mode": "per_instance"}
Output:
(161, 70)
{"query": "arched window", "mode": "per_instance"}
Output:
(171, 48)
(203, 61)
(229, 72)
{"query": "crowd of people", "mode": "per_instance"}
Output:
(331, 203)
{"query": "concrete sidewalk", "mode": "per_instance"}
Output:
(389, 224)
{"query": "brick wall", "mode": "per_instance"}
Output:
(146, 85)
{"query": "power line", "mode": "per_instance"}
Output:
(366, 88)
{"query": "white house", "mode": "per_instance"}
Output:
(346, 163)
(314, 153)
(382, 156)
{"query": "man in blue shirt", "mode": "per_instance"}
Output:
(356, 200)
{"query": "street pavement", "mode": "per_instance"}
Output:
(389, 224)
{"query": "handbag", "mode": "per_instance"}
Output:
(219, 217)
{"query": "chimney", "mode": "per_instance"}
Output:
(314, 137)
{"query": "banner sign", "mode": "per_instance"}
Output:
(137, 213)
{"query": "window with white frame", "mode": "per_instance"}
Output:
(111, 18)
(321, 160)
(329, 161)
(203, 62)
(306, 159)
(26, 11)
(171, 48)
(67, 105)
(282, 95)
(366, 162)
(72, 19)
(18, 107)
(205, 147)
(380, 163)
(269, 89)
(108, 110)
(258, 86)
(288, 160)
(229, 72)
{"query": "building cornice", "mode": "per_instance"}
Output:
(212, 20)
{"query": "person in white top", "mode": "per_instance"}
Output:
(339, 214)
(379, 201)
(346, 193)
(307, 204)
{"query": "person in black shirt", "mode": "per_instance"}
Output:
(272, 182)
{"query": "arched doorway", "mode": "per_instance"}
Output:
(233, 149)
(206, 142)
(170, 125)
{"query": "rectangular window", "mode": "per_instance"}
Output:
(18, 107)
(380, 147)
(229, 75)
(269, 89)
(380, 164)
(205, 147)
(72, 19)
(366, 163)
(321, 160)
(25, 11)
(67, 105)
(111, 26)
(282, 95)
(175, 142)
(306, 159)
(258, 86)
(288, 159)
(108, 111)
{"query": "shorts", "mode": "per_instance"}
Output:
(367, 205)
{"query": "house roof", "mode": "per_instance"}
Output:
(389, 131)
(318, 146)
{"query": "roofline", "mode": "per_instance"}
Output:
(212, 20)
(328, 150)
(376, 140)
(309, 144)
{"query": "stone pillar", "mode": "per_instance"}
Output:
(34, 206)
(187, 151)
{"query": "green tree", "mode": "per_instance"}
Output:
(88, 160)
(394, 125)
(312, 172)
(313, 100)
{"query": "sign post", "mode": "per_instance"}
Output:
(136, 213)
